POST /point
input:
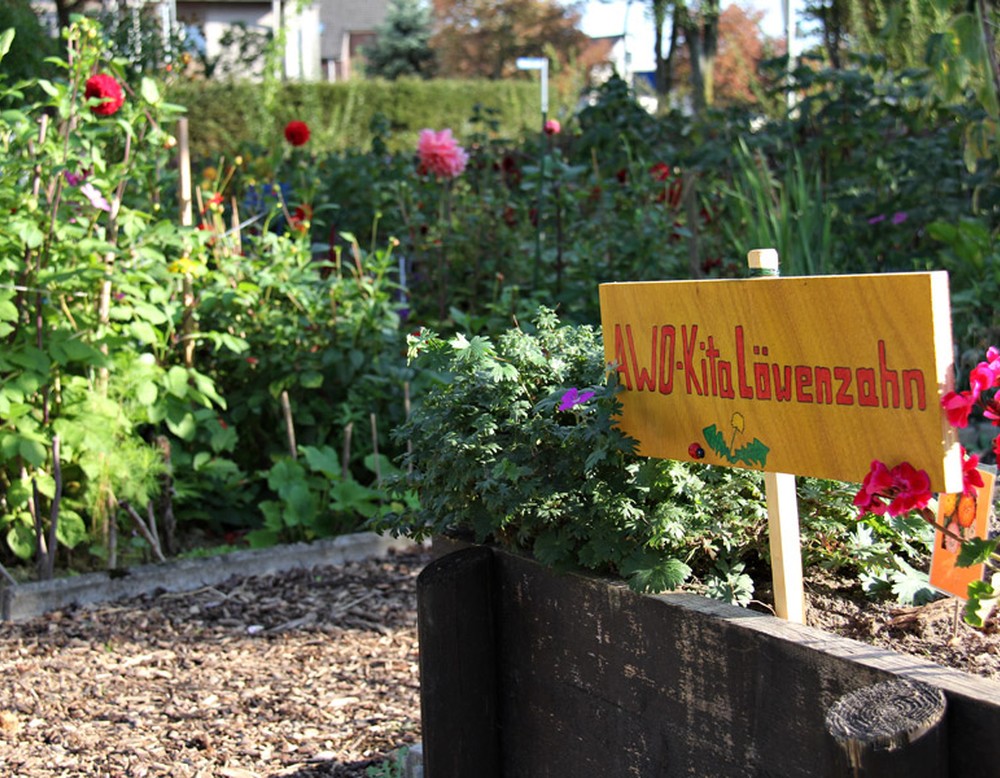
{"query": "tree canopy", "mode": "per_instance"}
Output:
(484, 38)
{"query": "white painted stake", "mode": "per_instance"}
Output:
(782, 504)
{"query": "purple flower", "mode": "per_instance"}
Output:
(75, 179)
(899, 217)
(572, 398)
(96, 198)
(877, 219)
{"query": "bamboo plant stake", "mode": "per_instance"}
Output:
(782, 503)
(187, 220)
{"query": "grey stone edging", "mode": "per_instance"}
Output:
(25, 601)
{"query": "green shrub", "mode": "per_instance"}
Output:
(518, 445)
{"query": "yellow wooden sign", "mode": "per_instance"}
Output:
(814, 375)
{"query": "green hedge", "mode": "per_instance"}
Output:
(229, 116)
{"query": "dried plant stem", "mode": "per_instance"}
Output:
(41, 548)
(144, 530)
(54, 508)
(166, 496)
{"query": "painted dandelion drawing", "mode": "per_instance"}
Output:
(738, 423)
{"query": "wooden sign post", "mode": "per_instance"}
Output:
(811, 375)
(782, 503)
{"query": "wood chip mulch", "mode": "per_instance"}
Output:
(303, 674)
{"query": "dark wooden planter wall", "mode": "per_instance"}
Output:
(526, 673)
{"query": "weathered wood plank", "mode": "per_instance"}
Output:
(597, 680)
(458, 693)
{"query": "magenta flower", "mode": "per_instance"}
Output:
(552, 127)
(912, 489)
(573, 397)
(440, 154)
(896, 492)
(958, 406)
(971, 477)
(982, 378)
(876, 483)
(95, 197)
(899, 217)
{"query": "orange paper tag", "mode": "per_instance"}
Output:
(967, 516)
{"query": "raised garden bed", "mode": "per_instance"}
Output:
(526, 672)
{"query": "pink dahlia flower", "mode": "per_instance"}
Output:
(440, 154)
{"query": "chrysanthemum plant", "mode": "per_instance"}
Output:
(903, 490)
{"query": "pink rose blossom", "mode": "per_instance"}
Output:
(440, 154)
(552, 127)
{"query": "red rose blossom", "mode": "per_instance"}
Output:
(103, 87)
(297, 133)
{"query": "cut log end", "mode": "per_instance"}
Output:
(896, 722)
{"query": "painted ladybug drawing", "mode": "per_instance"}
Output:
(695, 451)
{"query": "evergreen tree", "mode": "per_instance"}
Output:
(402, 44)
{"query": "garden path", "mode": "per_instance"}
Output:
(304, 674)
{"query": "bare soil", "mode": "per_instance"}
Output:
(935, 632)
(303, 674)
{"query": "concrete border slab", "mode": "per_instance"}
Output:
(25, 601)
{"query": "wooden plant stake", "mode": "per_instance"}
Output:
(286, 412)
(345, 456)
(378, 467)
(782, 504)
(187, 220)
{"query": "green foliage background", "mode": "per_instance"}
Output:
(340, 114)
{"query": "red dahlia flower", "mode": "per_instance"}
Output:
(297, 133)
(104, 87)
